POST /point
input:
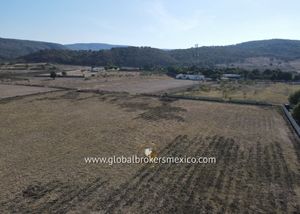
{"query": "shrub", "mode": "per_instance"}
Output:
(53, 74)
(294, 98)
(296, 112)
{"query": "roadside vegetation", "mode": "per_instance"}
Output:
(294, 101)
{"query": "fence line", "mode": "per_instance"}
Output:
(212, 99)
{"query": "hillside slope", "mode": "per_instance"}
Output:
(276, 48)
(279, 51)
(131, 56)
(12, 48)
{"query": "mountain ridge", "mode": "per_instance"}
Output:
(12, 48)
(93, 46)
(273, 51)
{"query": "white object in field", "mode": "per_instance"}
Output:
(190, 76)
(148, 151)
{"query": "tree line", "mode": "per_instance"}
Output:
(216, 73)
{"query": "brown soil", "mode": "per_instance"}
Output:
(44, 140)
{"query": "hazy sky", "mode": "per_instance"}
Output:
(155, 23)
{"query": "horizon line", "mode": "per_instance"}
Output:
(112, 43)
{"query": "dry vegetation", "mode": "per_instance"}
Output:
(81, 77)
(265, 63)
(7, 91)
(44, 139)
(114, 83)
(276, 93)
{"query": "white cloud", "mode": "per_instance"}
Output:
(166, 22)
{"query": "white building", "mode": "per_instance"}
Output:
(97, 69)
(230, 77)
(190, 77)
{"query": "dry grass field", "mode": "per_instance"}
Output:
(7, 91)
(80, 77)
(276, 93)
(117, 83)
(44, 139)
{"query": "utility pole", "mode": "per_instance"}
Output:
(196, 52)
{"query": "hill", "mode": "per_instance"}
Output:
(276, 50)
(285, 50)
(92, 46)
(131, 56)
(13, 48)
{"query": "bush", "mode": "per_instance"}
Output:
(294, 98)
(53, 74)
(296, 112)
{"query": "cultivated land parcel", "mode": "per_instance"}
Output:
(49, 126)
(44, 139)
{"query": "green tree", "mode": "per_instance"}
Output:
(294, 98)
(297, 77)
(285, 76)
(53, 74)
(296, 112)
